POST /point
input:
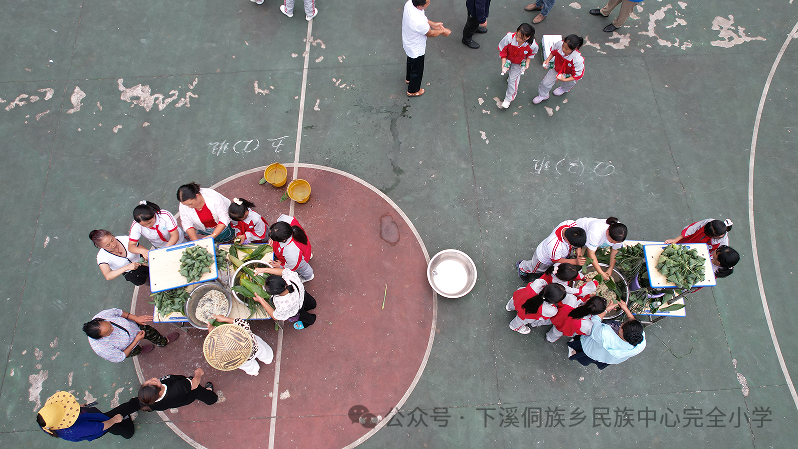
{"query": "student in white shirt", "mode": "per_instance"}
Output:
(609, 232)
(156, 225)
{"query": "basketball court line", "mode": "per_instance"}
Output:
(755, 251)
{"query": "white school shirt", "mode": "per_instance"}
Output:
(596, 229)
(255, 227)
(215, 201)
(116, 262)
(553, 248)
(158, 234)
(414, 30)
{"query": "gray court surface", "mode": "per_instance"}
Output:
(105, 103)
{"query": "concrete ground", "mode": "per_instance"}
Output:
(683, 114)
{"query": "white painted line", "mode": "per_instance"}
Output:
(276, 388)
(301, 111)
(755, 251)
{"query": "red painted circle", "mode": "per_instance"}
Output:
(357, 353)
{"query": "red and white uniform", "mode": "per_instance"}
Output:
(550, 250)
(540, 317)
(581, 293)
(562, 324)
(573, 64)
(694, 233)
(292, 254)
(509, 49)
(158, 234)
(515, 55)
(253, 228)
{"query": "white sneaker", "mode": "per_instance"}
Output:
(521, 330)
(284, 11)
(505, 104)
(258, 2)
(538, 99)
(510, 307)
(310, 278)
(310, 17)
(558, 91)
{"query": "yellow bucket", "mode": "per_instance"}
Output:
(299, 190)
(276, 174)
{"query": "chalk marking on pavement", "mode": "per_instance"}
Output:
(755, 252)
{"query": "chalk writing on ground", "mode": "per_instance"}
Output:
(568, 166)
(243, 146)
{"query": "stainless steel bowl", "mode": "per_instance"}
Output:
(252, 264)
(197, 294)
(620, 282)
(451, 273)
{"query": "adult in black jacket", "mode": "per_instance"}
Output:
(170, 391)
(477, 14)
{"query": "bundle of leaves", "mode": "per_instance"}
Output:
(195, 262)
(170, 301)
(681, 265)
(630, 260)
(246, 285)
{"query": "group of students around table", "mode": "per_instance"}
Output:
(116, 335)
(559, 294)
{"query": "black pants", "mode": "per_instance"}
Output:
(309, 304)
(124, 429)
(580, 355)
(201, 393)
(138, 276)
(415, 71)
(472, 23)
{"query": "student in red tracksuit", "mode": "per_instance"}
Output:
(569, 67)
(516, 50)
(712, 232)
(247, 223)
(535, 306)
(573, 317)
(291, 247)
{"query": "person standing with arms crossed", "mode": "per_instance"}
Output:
(416, 28)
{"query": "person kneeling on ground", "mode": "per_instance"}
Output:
(115, 335)
(62, 417)
(234, 345)
(609, 344)
(170, 391)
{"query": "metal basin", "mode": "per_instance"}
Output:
(620, 282)
(197, 294)
(252, 264)
(451, 273)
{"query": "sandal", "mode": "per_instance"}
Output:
(416, 94)
(299, 326)
(293, 319)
